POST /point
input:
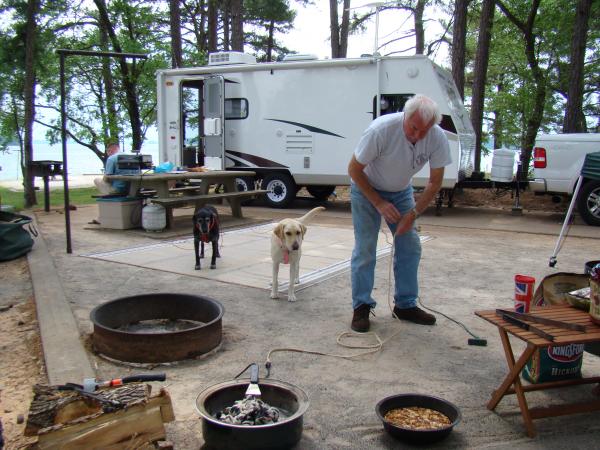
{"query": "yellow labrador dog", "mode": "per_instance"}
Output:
(286, 243)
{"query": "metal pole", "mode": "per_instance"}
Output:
(63, 53)
(378, 56)
(63, 134)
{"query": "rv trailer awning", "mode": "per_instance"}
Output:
(591, 166)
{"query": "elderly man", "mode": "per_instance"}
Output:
(391, 150)
(117, 186)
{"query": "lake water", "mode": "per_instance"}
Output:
(80, 159)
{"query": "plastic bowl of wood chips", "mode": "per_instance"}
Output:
(417, 418)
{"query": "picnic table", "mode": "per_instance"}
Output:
(200, 193)
(588, 332)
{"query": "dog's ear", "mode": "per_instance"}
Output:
(278, 231)
(303, 229)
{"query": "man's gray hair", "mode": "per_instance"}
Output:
(426, 107)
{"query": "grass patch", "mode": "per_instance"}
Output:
(77, 196)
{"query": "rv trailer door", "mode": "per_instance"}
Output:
(214, 122)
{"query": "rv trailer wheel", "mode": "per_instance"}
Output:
(281, 190)
(244, 184)
(320, 192)
(588, 202)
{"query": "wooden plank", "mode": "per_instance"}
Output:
(133, 427)
(556, 384)
(564, 410)
(176, 201)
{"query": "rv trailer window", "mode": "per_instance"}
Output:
(236, 108)
(390, 103)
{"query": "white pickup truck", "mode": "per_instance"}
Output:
(557, 162)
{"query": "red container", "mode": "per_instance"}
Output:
(523, 292)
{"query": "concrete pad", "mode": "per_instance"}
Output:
(469, 265)
(246, 256)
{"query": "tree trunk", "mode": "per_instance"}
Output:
(128, 84)
(33, 7)
(110, 125)
(533, 122)
(498, 123)
(212, 25)
(459, 36)
(419, 27)
(574, 121)
(237, 25)
(335, 29)
(270, 41)
(175, 23)
(339, 32)
(480, 74)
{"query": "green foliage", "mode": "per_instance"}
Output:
(510, 86)
(77, 196)
(264, 16)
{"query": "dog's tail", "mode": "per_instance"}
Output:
(306, 217)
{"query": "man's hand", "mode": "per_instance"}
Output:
(388, 211)
(406, 222)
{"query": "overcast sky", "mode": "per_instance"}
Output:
(311, 33)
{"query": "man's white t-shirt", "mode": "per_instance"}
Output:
(391, 159)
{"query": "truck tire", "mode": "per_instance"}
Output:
(588, 202)
(320, 192)
(281, 190)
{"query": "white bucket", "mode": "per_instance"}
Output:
(503, 163)
(154, 217)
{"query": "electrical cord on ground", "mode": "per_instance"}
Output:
(372, 348)
(476, 340)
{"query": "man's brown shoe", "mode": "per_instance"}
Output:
(360, 319)
(415, 315)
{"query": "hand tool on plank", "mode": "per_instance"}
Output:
(542, 320)
(526, 326)
(91, 384)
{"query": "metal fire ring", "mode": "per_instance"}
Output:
(163, 346)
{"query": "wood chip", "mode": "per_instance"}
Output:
(417, 418)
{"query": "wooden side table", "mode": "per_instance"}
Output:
(562, 336)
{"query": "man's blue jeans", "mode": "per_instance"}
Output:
(407, 250)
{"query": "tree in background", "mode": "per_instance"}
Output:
(574, 121)
(24, 50)
(459, 38)
(175, 28)
(339, 32)
(31, 35)
(480, 69)
(270, 16)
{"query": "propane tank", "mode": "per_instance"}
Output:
(154, 217)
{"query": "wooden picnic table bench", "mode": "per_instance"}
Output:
(234, 199)
(160, 183)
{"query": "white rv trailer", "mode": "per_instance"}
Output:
(296, 123)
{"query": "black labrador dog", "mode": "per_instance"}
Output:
(206, 229)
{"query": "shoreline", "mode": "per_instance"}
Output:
(75, 181)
